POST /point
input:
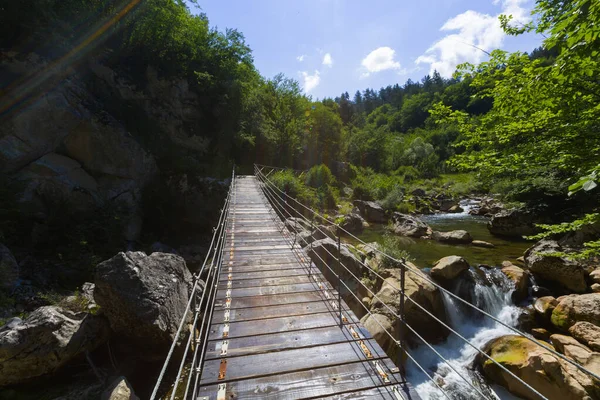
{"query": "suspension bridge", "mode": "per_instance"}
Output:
(267, 321)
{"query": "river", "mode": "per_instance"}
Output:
(494, 299)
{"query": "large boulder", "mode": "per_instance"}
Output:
(407, 225)
(48, 339)
(512, 223)
(452, 237)
(420, 291)
(544, 306)
(551, 376)
(353, 223)
(323, 253)
(542, 261)
(371, 211)
(381, 327)
(9, 269)
(119, 389)
(572, 309)
(294, 224)
(586, 333)
(448, 268)
(144, 298)
(520, 280)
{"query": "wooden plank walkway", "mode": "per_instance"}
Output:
(275, 332)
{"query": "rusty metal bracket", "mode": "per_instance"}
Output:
(365, 350)
(355, 334)
(228, 303)
(222, 370)
(226, 316)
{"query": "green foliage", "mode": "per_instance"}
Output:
(393, 199)
(392, 246)
(319, 176)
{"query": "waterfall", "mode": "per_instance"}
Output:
(491, 291)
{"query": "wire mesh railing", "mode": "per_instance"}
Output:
(291, 210)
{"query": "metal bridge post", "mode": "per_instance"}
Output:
(402, 320)
(339, 276)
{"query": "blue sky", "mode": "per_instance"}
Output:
(332, 46)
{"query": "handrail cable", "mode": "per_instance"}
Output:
(210, 312)
(428, 279)
(188, 305)
(210, 275)
(397, 316)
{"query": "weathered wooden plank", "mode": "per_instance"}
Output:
(237, 269)
(272, 325)
(264, 282)
(289, 310)
(276, 299)
(257, 365)
(259, 274)
(314, 383)
(283, 341)
(268, 290)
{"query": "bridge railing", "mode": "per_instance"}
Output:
(290, 209)
(199, 310)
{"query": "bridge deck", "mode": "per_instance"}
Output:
(275, 332)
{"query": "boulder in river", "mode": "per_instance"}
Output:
(448, 268)
(419, 291)
(575, 308)
(46, 340)
(452, 237)
(144, 298)
(323, 252)
(512, 223)
(542, 261)
(353, 223)
(520, 280)
(586, 333)
(544, 306)
(553, 377)
(407, 225)
(481, 243)
(371, 211)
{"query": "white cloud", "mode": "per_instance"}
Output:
(310, 81)
(473, 34)
(327, 60)
(300, 58)
(380, 59)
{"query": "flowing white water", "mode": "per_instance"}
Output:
(494, 299)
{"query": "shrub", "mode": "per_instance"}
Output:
(393, 199)
(392, 246)
(319, 176)
(327, 197)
